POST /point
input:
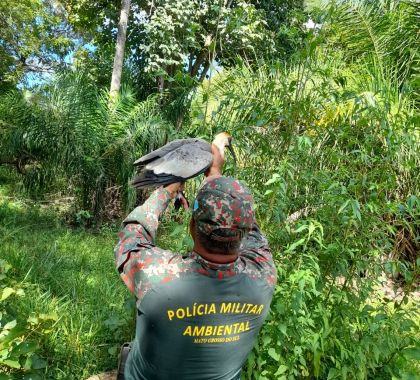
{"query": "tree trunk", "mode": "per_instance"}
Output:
(198, 62)
(204, 72)
(119, 48)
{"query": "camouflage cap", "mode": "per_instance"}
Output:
(223, 209)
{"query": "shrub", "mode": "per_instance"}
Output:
(20, 334)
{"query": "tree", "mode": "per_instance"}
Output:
(97, 24)
(119, 47)
(34, 38)
(284, 19)
(187, 36)
(171, 39)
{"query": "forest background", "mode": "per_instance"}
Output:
(322, 99)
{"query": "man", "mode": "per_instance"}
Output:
(198, 315)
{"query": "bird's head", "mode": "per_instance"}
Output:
(224, 140)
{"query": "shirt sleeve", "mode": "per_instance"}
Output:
(257, 254)
(139, 262)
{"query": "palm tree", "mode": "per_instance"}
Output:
(70, 130)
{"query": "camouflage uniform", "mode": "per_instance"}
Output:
(188, 306)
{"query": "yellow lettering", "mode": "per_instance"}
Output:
(260, 309)
(212, 309)
(225, 308)
(247, 326)
(188, 312)
(187, 331)
(237, 307)
(209, 330)
(249, 307)
(228, 329)
(220, 330)
(200, 309)
(180, 313)
(198, 331)
(254, 309)
(241, 327)
(170, 314)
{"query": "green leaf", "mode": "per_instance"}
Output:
(24, 348)
(28, 363)
(282, 369)
(317, 362)
(283, 328)
(11, 363)
(272, 352)
(48, 317)
(412, 353)
(343, 206)
(10, 325)
(294, 245)
(266, 340)
(14, 333)
(356, 210)
(301, 228)
(7, 292)
(333, 373)
(32, 376)
(38, 363)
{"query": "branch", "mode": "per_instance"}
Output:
(204, 72)
(199, 60)
(304, 212)
(16, 163)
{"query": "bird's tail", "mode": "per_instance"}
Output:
(149, 179)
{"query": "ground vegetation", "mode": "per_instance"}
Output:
(325, 120)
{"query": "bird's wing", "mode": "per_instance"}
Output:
(187, 160)
(164, 150)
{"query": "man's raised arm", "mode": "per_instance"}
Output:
(136, 250)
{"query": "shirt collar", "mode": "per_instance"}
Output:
(214, 266)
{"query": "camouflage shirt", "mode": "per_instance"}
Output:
(195, 319)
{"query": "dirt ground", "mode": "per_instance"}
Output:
(105, 376)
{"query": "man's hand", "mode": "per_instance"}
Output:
(174, 188)
(216, 167)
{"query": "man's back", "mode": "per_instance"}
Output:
(200, 325)
(195, 319)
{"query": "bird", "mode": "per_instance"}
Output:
(179, 160)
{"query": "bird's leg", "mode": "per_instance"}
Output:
(181, 201)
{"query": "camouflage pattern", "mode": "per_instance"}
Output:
(142, 265)
(223, 203)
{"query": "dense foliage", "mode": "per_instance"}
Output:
(34, 39)
(326, 125)
(21, 333)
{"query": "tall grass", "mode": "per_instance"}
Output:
(69, 273)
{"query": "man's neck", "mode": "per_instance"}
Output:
(217, 258)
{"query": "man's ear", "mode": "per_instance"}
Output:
(192, 228)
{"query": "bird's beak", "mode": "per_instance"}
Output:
(230, 147)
